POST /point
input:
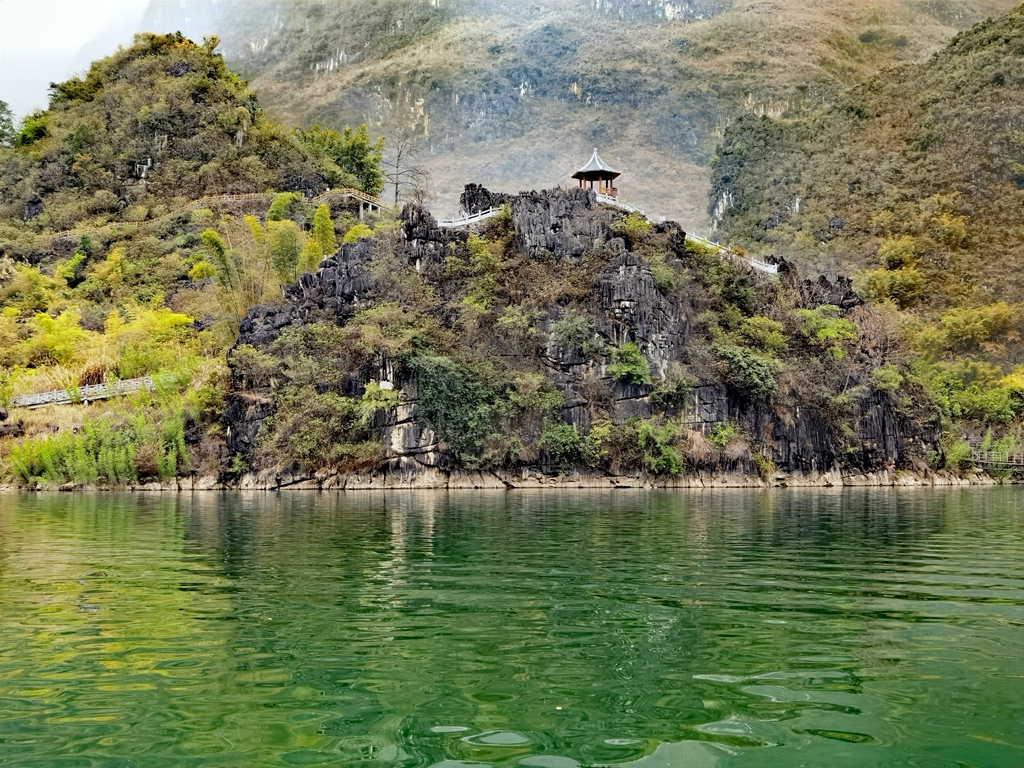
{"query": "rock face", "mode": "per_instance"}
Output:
(562, 224)
(793, 439)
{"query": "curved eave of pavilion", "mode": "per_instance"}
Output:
(596, 168)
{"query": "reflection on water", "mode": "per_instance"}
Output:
(782, 628)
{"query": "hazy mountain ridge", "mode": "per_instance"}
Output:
(513, 95)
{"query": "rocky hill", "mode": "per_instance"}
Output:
(566, 338)
(515, 95)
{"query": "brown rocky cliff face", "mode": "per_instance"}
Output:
(625, 306)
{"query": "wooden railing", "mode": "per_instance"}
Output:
(84, 394)
(358, 194)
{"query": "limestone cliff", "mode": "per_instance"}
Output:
(686, 310)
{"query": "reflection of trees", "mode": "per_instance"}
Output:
(351, 622)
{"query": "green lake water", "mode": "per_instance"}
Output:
(684, 629)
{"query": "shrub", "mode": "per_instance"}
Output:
(902, 285)
(565, 445)
(722, 434)
(663, 274)
(633, 226)
(454, 402)
(201, 270)
(766, 468)
(887, 378)
(357, 232)
(764, 333)
(146, 444)
(958, 453)
(322, 430)
(824, 327)
(750, 375)
(286, 205)
(967, 328)
(323, 230)
(573, 330)
(628, 364)
(656, 443)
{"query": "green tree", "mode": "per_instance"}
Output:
(7, 132)
(323, 230)
(285, 241)
(349, 158)
(284, 206)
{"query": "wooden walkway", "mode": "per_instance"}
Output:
(85, 394)
(997, 459)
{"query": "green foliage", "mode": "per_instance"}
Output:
(750, 374)
(286, 205)
(174, 99)
(966, 329)
(656, 443)
(322, 430)
(629, 364)
(145, 444)
(7, 132)
(573, 330)
(902, 285)
(957, 452)
(565, 445)
(346, 159)
(974, 391)
(357, 232)
(764, 333)
(722, 434)
(766, 468)
(454, 402)
(285, 242)
(201, 270)
(34, 128)
(634, 227)
(887, 377)
(323, 230)
(825, 327)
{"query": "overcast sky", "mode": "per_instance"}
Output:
(45, 41)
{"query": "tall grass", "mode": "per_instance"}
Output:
(148, 443)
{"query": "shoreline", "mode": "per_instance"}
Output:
(271, 480)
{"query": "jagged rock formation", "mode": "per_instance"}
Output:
(624, 305)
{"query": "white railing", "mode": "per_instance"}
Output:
(465, 221)
(763, 266)
(84, 394)
(614, 202)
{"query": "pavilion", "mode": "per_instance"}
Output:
(597, 171)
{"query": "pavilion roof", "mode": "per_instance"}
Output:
(595, 167)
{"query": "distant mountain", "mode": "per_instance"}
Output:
(515, 95)
(916, 177)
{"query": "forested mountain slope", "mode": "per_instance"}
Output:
(515, 95)
(915, 181)
(917, 175)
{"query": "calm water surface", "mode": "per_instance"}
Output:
(785, 628)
